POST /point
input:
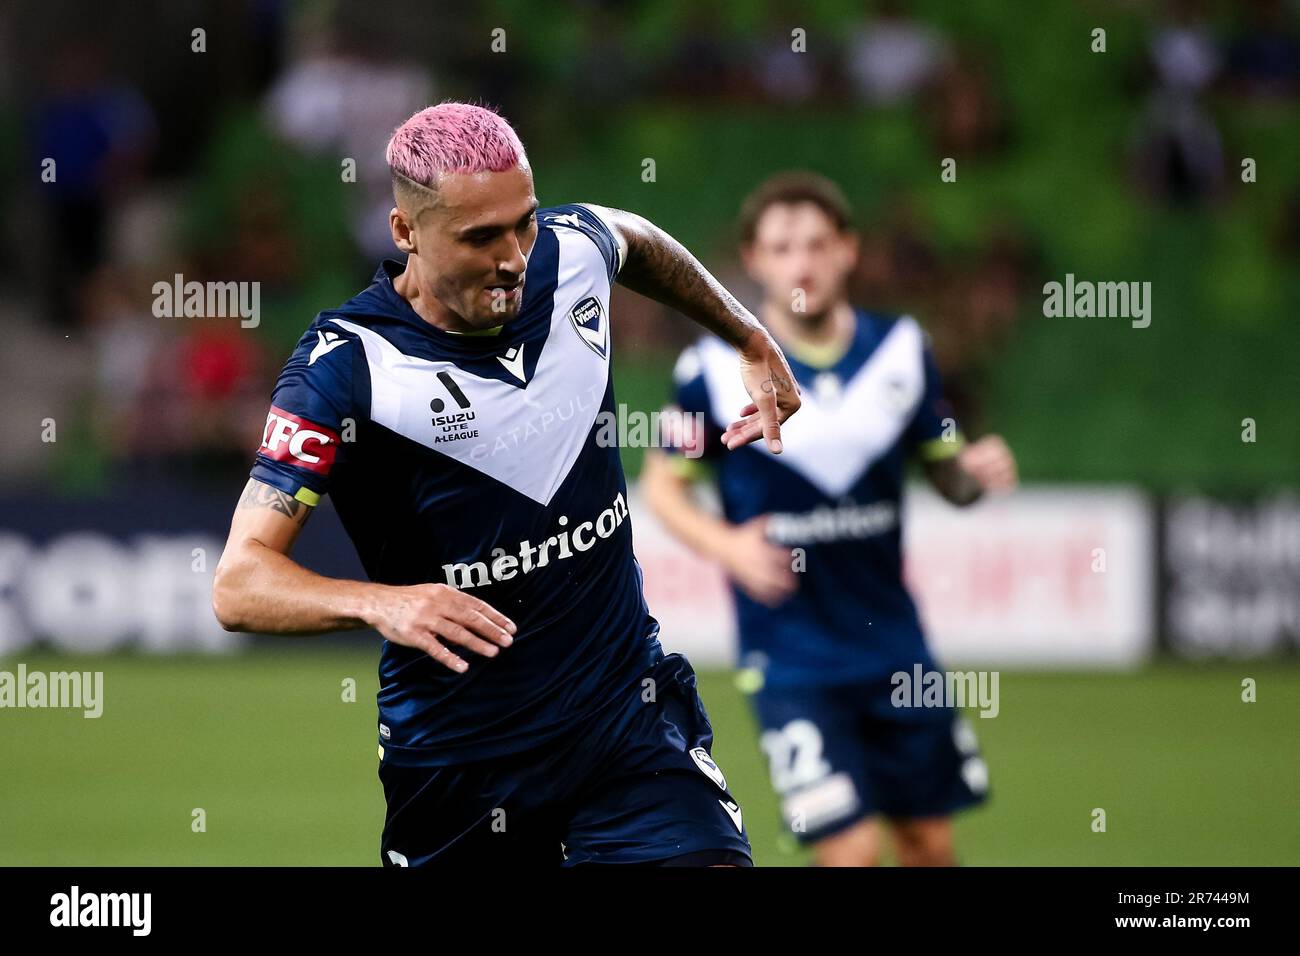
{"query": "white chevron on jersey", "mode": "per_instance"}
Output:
(833, 439)
(529, 438)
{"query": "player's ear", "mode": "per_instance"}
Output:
(850, 239)
(402, 229)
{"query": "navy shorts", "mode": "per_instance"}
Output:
(634, 785)
(838, 755)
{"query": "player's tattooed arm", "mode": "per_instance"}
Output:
(659, 267)
(259, 587)
(259, 495)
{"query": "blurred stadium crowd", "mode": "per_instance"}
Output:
(231, 163)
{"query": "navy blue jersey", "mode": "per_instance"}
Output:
(834, 494)
(473, 461)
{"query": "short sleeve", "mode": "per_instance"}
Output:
(584, 220)
(312, 408)
(934, 431)
(692, 437)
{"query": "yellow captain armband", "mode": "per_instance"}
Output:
(307, 497)
(749, 680)
(937, 449)
(691, 469)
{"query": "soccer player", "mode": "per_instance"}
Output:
(527, 713)
(810, 540)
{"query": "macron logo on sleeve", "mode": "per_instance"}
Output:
(296, 441)
(326, 342)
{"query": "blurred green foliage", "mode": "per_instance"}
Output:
(1079, 399)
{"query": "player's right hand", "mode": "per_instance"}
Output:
(431, 616)
(773, 391)
(763, 570)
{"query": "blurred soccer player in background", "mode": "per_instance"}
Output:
(811, 540)
(527, 712)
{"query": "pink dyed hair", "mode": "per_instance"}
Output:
(453, 138)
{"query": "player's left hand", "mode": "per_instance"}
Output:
(990, 462)
(775, 394)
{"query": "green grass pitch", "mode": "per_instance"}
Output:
(284, 769)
